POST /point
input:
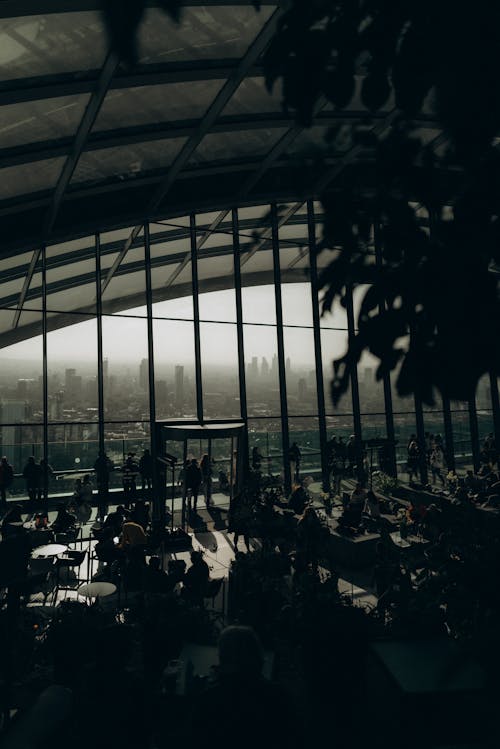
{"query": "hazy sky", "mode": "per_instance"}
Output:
(125, 338)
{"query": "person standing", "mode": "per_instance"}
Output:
(146, 471)
(294, 456)
(102, 467)
(193, 483)
(46, 473)
(206, 473)
(31, 475)
(6, 479)
(130, 471)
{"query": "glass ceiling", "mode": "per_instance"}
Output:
(87, 145)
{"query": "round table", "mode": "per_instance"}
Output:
(96, 590)
(48, 551)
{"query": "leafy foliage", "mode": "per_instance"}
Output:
(409, 64)
(432, 276)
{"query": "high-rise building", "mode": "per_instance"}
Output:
(144, 374)
(72, 387)
(179, 387)
(274, 366)
(302, 389)
(254, 367)
(288, 365)
(264, 367)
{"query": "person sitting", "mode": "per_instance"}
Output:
(351, 517)
(196, 578)
(64, 521)
(309, 536)
(298, 499)
(155, 580)
(140, 514)
(257, 712)
(12, 520)
(132, 535)
(115, 520)
(106, 550)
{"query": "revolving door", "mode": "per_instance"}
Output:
(177, 445)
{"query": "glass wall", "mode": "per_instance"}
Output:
(77, 362)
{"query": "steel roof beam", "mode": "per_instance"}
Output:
(80, 141)
(69, 84)
(20, 8)
(27, 282)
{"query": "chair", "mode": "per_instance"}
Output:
(69, 560)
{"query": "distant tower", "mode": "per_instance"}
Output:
(274, 366)
(179, 387)
(254, 369)
(72, 387)
(302, 388)
(264, 367)
(105, 369)
(144, 375)
(288, 365)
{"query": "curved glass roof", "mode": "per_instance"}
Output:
(87, 146)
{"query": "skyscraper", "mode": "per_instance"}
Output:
(179, 387)
(144, 375)
(264, 367)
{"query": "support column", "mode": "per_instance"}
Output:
(196, 319)
(448, 434)
(386, 378)
(45, 382)
(495, 406)
(281, 350)
(100, 368)
(356, 411)
(318, 358)
(474, 433)
(244, 446)
(158, 491)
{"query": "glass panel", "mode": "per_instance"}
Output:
(10, 290)
(300, 371)
(305, 432)
(461, 438)
(126, 162)
(175, 368)
(24, 179)
(129, 107)
(236, 145)
(486, 425)
(204, 32)
(127, 288)
(47, 119)
(219, 357)
(266, 435)
(125, 348)
(21, 385)
(18, 444)
(178, 308)
(262, 376)
(337, 318)
(255, 213)
(72, 371)
(73, 448)
(257, 267)
(252, 96)
(371, 391)
(216, 272)
(333, 346)
(483, 393)
(15, 262)
(52, 43)
(373, 427)
(119, 440)
(340, 426)
(296, 304)
(404, 427)
(71, 266)
(259, 305)
(311, 143)
(218, 305)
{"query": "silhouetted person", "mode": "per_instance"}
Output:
(294, 456)
(193, 483)
(257, 458)
(146, 467)
(257, 712)
(31, 474)
(115, 520)
(298, 499)
(6, 479)
(309, 536)
(129, 475)
(64, 520)
(196, 578)
(102, 467)
(239, 518)
(46, 474)
(140, 514)
(206, 474)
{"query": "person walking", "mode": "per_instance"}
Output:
(146, 471)
(294, 456)
(206, 473)
(31, 475)
(130, 471)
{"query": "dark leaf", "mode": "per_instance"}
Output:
(122, 19)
